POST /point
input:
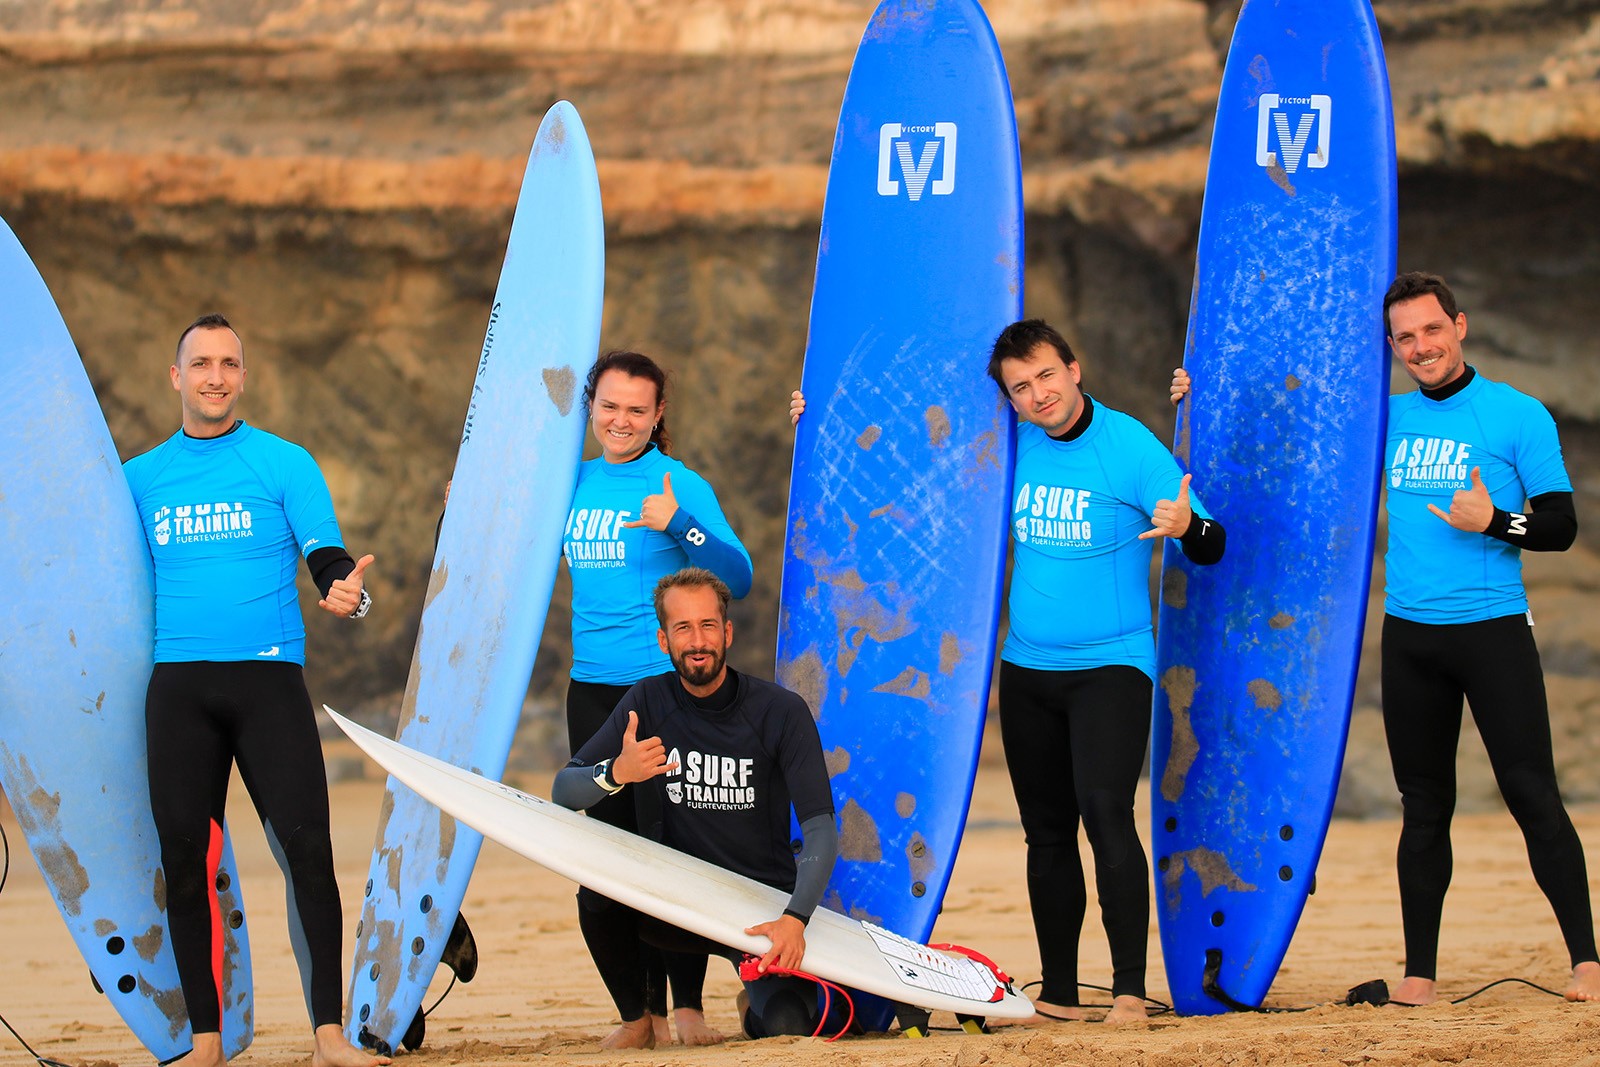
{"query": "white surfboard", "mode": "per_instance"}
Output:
(691, 893)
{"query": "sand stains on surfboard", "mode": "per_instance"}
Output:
(897, 524)
(79, 618)
(491, 583)
(1296, 249)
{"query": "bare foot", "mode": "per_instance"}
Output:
(661, 1028)
(1126, 1009)
(206, 1052)
(1585, 983)
(640, 1033)
(334, 1051)
(692, 1028)
(1414, 992)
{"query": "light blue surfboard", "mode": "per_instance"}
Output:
(493, 571)
(897, 509)
(1284, 435)
(77, 639)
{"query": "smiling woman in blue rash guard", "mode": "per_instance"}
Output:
(637, 515)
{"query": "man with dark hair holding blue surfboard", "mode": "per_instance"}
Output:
(226, 509)
(1475, 475)
(729, 756)
(1092, 490)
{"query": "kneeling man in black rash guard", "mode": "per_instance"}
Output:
(725, 755)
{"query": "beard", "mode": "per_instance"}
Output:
(703, 675)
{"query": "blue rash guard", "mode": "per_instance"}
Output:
(1080, 583)
(1433, 572)
(615, 568)
(226, 519)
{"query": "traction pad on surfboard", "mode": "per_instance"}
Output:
(920, 967)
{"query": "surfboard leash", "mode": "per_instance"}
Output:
(1376, 993)
(5, 872)
(749, 971)
(1161, 1007)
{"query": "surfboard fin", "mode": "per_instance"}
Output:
(415, 1032)
(1211, 983)
(460, 953)
(369, 1040)
(913, 1020)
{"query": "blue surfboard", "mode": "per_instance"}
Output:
(77, 640)
(493, 571)
(897, 510)
(1284, 435)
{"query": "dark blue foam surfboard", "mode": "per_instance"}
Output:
(897, 509)
(1284, 435)
(493, 570)
(77, 638)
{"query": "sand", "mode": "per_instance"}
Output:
(536, 998)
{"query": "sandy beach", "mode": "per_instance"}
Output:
(537, 999)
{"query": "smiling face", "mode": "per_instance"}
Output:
(209, 379)
(696, 636)
(1044, 389)
(624, 412)
(1427, 341)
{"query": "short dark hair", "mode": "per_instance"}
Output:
(691, 578)
(1415, 283)
(634, 365)
(1018, 341)
(213, 321)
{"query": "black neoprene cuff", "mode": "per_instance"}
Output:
(1551, 524)
(1204, 541)
(328, 565)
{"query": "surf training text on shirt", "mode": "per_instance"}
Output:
(594, 537)
(1430, 463)
(1048, 515)
(708, 781)
(190, 523)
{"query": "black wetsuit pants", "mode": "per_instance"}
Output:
(200, 719)
(1075, 743)
(1427, 670)
(635, 972)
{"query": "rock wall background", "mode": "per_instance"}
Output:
(338, 177)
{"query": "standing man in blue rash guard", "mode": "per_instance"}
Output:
(1464, 456)
(726, 756)
(1093, 490)
(637, 515)
(1474, 475)
(227, 510)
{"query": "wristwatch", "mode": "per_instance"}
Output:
(603, 779)
(361, 608)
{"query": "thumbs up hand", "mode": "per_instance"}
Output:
(344, 595)
(639, 761)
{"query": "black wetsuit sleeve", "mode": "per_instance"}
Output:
(328, 565)
(576, 788)
(1551, 524)
(813, 866)
(1204, 541)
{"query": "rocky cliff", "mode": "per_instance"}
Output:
(338, 177)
